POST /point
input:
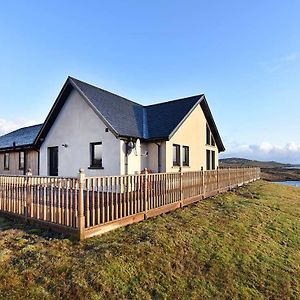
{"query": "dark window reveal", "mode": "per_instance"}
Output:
(176, 155)
(213, 160)
(21, 160)
(6, 161)
(96, 155)
(207, 135)
(185, 155)
(207, 160)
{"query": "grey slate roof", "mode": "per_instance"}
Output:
(21, 137)
(129, 118)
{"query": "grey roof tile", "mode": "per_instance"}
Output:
(125, 116)
(21, 137)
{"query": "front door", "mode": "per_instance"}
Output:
(53, 161)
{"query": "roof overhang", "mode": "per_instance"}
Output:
(18, 148)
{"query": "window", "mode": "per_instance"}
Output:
(6, 161)
(212, 141)
(207, 160)
(176, 155)
(21, 160)
(213, 160)
(207, 135)
(96, 155)
(185, 155)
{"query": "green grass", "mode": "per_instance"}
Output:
(241, 245)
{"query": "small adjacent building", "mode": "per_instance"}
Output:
(107, 134)
(18, 152)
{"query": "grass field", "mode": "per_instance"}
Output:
(243, 244)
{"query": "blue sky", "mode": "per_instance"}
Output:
(244, 55)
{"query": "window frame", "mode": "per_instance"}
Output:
(185, 156)
(92, 156)
(6, 161)
(177, 162)
(21, 167)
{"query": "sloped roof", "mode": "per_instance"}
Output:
(126, 118)
(123, 115)
(22, 137)
(163, 118)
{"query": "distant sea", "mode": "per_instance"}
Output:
(291, 182)
(293, 167)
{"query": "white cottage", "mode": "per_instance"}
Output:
(106, 134)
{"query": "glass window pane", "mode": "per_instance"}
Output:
(6, 161)
(207, 135)
(207, 160)
(213, 162)
(21, 160)
(185, 156)
(96, 154)
(174, 154)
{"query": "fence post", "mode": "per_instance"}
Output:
(203, 183)
(28, 200)
(81, 218)
(181, 186)
(229, 178)
(146, 194)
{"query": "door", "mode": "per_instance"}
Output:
(53, 161)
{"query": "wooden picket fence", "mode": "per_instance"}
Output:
(88, 206)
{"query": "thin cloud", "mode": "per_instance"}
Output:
(289, 153)
(283, 62)
(291, 57)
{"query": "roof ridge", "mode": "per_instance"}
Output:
(106, 91)
(179, 99)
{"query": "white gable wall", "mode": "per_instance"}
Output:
(77, 125)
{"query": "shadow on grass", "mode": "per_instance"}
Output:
(9, 224)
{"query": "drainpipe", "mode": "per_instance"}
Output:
(158, 157)
(126, 157)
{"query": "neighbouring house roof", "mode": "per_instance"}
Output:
(21, 138)
(126, 118)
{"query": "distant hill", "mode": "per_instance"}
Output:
(242, 162)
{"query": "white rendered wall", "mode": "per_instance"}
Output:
(77, 125)
(134, 159)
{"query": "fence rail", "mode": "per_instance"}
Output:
(87, 206)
